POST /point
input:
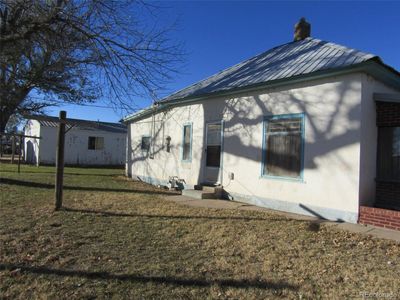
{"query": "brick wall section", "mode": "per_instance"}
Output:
(387, 114)
(379, 217)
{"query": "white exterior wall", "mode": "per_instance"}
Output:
(332, 109)
(31, 145)
(369, 137)
(76, 147)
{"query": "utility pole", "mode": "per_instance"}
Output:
(60, 160)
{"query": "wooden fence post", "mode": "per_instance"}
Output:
(12, 148)
(19, 154)
(60, 160)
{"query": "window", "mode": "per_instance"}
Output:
(95, 143)
(187, 143)
(145, 146)
(388, 153)
(213, 157)
(283, 146)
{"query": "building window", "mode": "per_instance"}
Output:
(95, 143)
(187, 143)
(214, 142)
(145, 145)
(389, 153)
(283, 146)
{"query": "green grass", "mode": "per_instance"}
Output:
(122, 239)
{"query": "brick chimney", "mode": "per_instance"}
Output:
(302, 30)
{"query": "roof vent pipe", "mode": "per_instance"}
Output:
(302, 30)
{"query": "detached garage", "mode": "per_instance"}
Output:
(86, 142)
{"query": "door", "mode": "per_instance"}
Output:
(213, 161)
(30, 153)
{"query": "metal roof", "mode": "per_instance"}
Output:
(296, 61)
(49, 121)
(288, 60)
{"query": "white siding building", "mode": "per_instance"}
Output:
(292, 129)
(86, 142)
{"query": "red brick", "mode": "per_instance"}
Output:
(391, 227)
(380, 217)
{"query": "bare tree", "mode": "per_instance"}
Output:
(14, 122)
(80, 50)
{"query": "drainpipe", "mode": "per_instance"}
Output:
(155, 106)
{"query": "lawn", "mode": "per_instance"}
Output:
(117, 238)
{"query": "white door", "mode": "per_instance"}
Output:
(213, 168)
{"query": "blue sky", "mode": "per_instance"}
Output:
(219, 34)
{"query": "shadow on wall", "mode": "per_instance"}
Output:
(158, 146)
(332, 122)
(325, 136)
(244, 115)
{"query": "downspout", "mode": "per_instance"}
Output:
(155, 106)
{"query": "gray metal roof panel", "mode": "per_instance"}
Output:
(285, 61)
(50, 121)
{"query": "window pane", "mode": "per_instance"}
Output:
(389, 153)
(186, 142)
(283, 147)
(145, 143)
(99, 143)
(214, 134)
(284, 125)
(213, 156)
(396, 141)
(283, 155)
(92, 143)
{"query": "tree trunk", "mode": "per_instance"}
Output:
(5, 115)
(3, 121)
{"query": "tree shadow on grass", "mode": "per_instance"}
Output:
(66, 173)
(194, 282)
(117, 214)
(77, 188)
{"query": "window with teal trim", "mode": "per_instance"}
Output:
(187, 142)
(283, 146)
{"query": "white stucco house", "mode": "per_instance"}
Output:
(89, 143)
(308, 127)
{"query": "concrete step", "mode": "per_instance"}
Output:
(199, 194)
(217, 190)
(210, 189)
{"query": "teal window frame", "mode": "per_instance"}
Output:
(268, 118)
(189, 159)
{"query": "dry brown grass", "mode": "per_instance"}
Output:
(121, 239)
